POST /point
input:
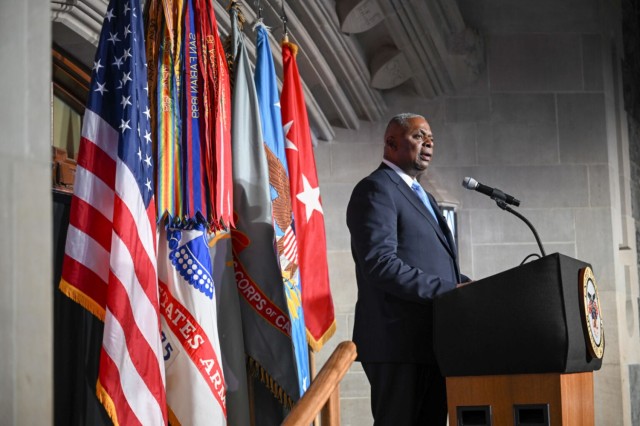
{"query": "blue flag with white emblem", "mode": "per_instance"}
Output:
(271, 119)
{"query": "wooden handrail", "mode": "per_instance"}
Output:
(324, 392)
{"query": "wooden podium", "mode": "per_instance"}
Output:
(521, 399)
(517, 348)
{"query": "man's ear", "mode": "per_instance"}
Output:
(390, 142)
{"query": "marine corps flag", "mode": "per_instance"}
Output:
(317, 303)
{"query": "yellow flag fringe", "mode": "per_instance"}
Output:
(257, 371)
(81, 298)
(107, 403)
(317, 344)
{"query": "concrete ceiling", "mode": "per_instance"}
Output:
(352, 52)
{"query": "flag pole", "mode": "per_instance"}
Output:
(251, 391)
(312, 358)
(313, 372)
(283, 17)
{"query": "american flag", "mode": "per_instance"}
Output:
(110, 255)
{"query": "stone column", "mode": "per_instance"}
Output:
(26, 352)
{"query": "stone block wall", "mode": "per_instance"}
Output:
(631, 82)
(542, 123)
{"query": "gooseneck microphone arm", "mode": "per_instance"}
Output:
(502, 200)
(504, 206)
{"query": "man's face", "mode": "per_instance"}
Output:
(411, 149)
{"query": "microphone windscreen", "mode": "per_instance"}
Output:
(470, 183)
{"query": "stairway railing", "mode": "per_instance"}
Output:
(323, 396)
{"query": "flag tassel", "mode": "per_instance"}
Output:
(107, 403)
(257, 371)
(317, 344)
(82, 299)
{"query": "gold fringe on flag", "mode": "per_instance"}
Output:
(107, 403)
(228, 48)
(233, 4)
(173, 419)
(81, 298)
(317, 344)
(257, 371)
(292, 46)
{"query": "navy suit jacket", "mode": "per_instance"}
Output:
(403, 259)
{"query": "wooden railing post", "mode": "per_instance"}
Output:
(331, 410)
(324, 392)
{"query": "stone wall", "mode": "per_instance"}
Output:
(631, 82)
(543, 123)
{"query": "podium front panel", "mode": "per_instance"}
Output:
(521, 321)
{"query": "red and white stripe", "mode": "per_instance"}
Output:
(112, 245)
(88, 246)
(290, 245)
(196, 390)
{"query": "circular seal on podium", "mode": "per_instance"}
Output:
(591, 313)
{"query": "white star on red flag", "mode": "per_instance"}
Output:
(289, 144)
(310, 197)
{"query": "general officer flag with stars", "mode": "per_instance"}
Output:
(307, 206)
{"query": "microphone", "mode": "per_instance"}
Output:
(494, 193)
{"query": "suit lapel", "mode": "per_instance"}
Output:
(415, 201)
(444, 226)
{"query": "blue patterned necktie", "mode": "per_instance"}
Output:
(421, 193)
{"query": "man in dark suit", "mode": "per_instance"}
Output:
(405, 255)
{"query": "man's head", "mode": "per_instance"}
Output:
(408, 143)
